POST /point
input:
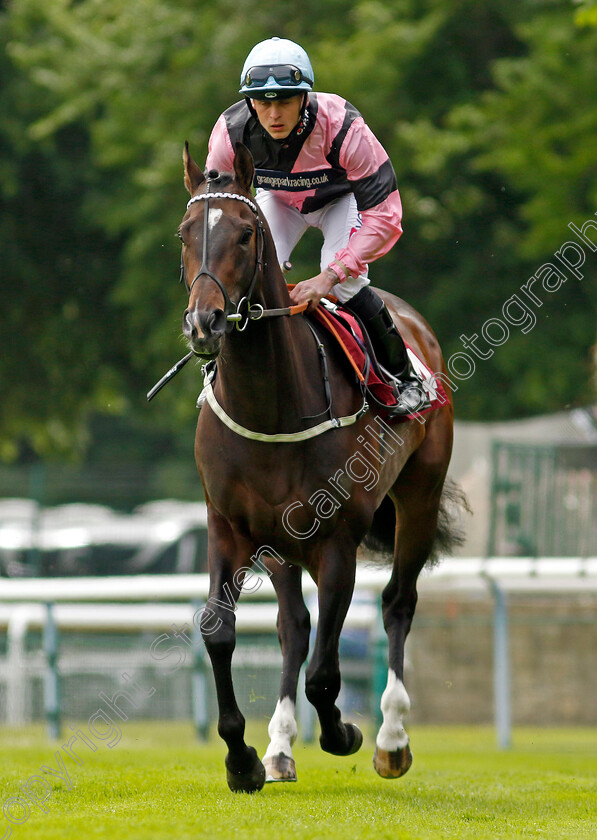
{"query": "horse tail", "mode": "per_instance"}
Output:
(450, 533)
(380, 537)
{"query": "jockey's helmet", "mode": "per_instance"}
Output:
(276, 69)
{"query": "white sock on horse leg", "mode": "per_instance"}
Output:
(395, 705)
(282, 729)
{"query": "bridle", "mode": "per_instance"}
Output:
(241, 313)
(238, 314)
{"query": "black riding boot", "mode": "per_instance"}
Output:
(390, 351)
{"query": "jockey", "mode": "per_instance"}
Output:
(319, 165)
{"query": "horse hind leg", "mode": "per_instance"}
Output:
(417, 514)
(393, 756)
(293, 633)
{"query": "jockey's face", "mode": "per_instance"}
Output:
(278, 116)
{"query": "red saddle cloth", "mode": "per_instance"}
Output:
(344, 327)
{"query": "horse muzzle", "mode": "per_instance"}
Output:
(204, 330)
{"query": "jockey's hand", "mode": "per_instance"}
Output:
(312, 290)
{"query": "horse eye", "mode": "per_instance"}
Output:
(246, 236)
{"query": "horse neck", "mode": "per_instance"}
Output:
(265, 373)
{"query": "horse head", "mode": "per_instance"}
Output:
(222, 246)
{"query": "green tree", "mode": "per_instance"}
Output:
(137, 92)
(57, 269)
(536, 132)
(486, 111)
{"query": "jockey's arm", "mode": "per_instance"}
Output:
(380, 230)
(373, 181)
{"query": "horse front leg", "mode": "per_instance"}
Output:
(244, 771)
(293, 633)
(335, 584)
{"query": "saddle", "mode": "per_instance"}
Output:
(358, 351)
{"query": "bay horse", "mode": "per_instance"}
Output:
(281, 486)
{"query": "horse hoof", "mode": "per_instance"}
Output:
(354, 741)
(279, 768)
(246, 781)
(355, 734)
(392, 765)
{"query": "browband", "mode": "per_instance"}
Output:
(205, 196)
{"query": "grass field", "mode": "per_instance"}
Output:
(158, 783)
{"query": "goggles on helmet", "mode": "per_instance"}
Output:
(284, 74)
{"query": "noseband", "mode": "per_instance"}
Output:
(240, 313)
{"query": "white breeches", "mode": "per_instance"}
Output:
(336, 221)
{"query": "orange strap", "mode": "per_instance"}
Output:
(300, 307)
(297, 308)
(330, 325)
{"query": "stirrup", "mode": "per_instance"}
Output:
(411, 396)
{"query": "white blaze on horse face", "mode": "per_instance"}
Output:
(395, 704)
(282, 729)
(214, 218)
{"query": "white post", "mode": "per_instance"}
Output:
(501, 666)
(16, 683)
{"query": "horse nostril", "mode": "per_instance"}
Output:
(207, 323)
(218, 322)
(212, 322)
(188, 326)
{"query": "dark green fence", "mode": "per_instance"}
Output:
(543, 500)
(121, 486)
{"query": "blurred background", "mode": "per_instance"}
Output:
(488, 111)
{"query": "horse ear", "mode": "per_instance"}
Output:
(193, 176)
(244, 168)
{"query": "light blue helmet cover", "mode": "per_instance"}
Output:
(277, 51)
